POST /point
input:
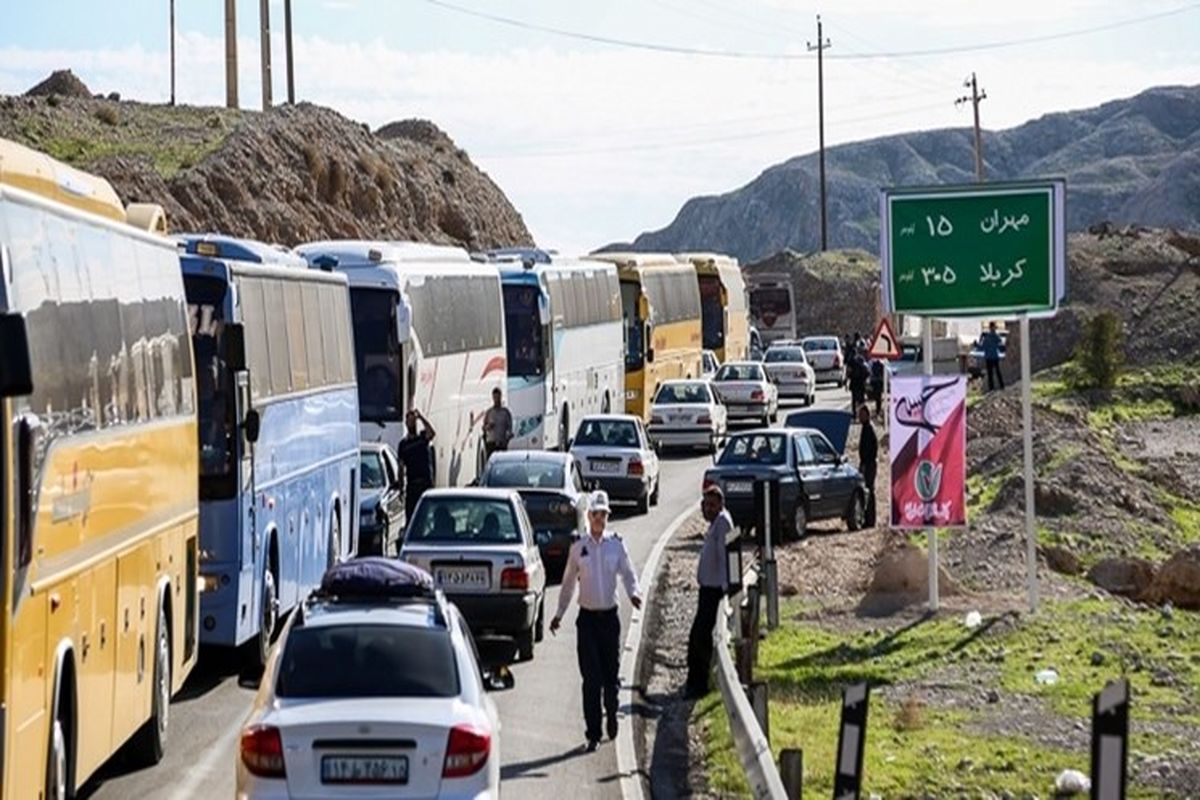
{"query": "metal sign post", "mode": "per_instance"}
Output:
(931, 533)
(1110, 741)
(1031, 576)
(766, 496)
(852, 738)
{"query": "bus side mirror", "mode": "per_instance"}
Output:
(27, 430)
(252, 425)
(16, 366)
(403, 321)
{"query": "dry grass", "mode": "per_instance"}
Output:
(108, 115)
(910, 716)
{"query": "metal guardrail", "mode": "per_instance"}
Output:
(754, 751)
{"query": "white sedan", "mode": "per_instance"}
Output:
(789, 370)
(746, 391)
(615, 454)
(372, 696)
(687, 414)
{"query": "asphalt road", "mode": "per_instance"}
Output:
(542, 719)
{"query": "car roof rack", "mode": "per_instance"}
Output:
(376, 580)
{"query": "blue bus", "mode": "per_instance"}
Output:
(278, 431)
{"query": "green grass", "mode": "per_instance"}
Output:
(1186, 516)
(982, 491)
(168, 157)
(947, 753)
(1122, 411)
(725, 775)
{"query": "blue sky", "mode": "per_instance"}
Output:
(593, 142)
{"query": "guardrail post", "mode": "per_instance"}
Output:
(757, 692)
(1110, 740)
(852, 737)
(791, 769)
(766, 504)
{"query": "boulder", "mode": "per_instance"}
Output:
(1051, 500)
(1130, 577)
(1061, 560)
(1178, 580)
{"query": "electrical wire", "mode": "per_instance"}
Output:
(660, 47)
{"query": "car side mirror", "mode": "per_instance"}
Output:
(252, 425)
(16, 365)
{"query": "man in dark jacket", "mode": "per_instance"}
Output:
(857, 373)
(868, 460)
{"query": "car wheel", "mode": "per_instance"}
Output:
(643, 504)
(856, 514)
(150, 742)
(654, 494)
(539, 627)
(525, 645)
(799, 521)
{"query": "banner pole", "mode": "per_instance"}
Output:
(931, 533)
(1027, 435)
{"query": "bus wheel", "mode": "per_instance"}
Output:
(58, 761)
(260, 647)
(335, 541)
(606, 406)
(150, 742)
(564, 430)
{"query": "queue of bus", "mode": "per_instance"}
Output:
(180, 423)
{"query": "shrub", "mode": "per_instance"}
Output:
(1099, 355)
(108, 115)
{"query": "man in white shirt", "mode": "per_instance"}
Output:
(594, 563)
(713, 577)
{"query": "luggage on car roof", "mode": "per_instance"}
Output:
(376, 576)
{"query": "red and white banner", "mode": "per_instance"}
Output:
(928, 447)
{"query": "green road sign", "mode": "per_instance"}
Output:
(977, 250)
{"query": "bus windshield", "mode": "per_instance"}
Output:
(214, 383)
(712, 313)
(377, 354)
(523, 327)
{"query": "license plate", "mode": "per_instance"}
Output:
(739, 487)
(364, 769)
(452, 578)
(798, 376)
(605, 466)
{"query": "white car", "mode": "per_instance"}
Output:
(790, 371)
(746, 392)
(480, 547)
(372, 693)
(825, 355)
(687, 414)
(615, 454)
(708, 364)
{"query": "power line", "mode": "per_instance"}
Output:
(660, 47)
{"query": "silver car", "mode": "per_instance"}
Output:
(825, 355)
(788, 367)
(616, 455)
(687, 414)
(746, 391)
(480, 548)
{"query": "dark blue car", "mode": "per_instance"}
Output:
(815, 480)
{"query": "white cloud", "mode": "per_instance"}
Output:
(599, 145)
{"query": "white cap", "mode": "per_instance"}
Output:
(599, 501)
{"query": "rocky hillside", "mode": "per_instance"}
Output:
(1135, 160)
(846, 281)
(289, 175)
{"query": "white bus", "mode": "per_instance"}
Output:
(772, 305)
(429, 335)
(566, 345)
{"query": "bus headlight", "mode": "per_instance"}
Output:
(209, 583)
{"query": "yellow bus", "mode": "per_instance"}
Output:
(98, 480)
(724, 315)
(660, 302)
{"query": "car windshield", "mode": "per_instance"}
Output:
(464, 520)
(338, 661)
(819, 345)
(611, 432)
(373, 474)
(531, 474)
(778, 354)
(739, 372)
(682, 394)
(756, 448)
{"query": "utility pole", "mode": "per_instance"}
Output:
(287, 35)
(264, 16)
(172, 52)
(974, 99)
(821, 46)
(231, 67)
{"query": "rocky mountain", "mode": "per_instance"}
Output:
(292, 174)
(1135, 160)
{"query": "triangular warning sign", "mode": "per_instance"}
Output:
(884, 343)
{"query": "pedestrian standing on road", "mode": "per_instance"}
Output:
(497, 425)
(595, 562)
(877, 385)
(856, 375)
(868, 461)
(713, 577)
(990, 344)
(415, 452)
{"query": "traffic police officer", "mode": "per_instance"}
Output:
(595, 562)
